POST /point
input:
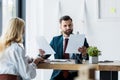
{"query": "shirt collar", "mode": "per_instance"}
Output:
(65, 37)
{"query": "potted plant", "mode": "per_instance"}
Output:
(93, 52)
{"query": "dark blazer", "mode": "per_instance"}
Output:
(57, 45)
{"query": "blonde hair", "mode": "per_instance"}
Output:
(14, 33)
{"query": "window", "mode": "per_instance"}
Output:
(8, 11)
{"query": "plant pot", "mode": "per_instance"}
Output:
(93, 60)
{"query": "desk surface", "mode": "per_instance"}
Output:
(110, 66)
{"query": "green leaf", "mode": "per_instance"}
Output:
(93, 51)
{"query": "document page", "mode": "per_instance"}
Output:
(75, 41)
(43, 44)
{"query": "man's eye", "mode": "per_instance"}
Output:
(70, 25)
(65, 25)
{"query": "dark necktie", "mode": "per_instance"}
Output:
(65, 56)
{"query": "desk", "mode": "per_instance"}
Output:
(113, 66)
(63, 66)
(110, 66)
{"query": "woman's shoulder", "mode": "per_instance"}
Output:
(16, 49)
(15, 46)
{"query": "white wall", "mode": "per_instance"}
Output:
(103, 33)
(42, 19)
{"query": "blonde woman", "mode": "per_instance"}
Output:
(13, 63)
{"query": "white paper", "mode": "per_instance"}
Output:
(44, 45)
(75, 41)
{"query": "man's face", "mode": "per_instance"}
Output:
(66, 27)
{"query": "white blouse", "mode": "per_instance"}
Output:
(13, 61)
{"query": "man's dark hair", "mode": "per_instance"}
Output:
(65, 18)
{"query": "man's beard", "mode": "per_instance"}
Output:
(68, 32)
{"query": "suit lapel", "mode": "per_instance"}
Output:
(60, 45)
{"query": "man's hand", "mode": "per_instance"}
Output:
(83, 50)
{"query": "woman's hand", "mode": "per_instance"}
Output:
(42, 52)
(38, 60)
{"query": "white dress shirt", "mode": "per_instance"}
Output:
(13, 61)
